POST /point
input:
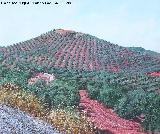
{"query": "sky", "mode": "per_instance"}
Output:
(123, 22)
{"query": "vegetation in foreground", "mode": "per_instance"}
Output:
(129, 98)
(66, 119)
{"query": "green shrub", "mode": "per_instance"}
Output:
(110, 96)
(152, 113)
(58, 93)
(132, 104)
(94, 89)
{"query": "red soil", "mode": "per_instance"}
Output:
(86, 56)
(95, 60)
(60, 54)
(105, 119)
(80, 57)
(154, 74)
(90, 66)
(71, 55)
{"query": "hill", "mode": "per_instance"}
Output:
(54, 67)
(75, 51)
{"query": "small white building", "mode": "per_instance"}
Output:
(45, 76)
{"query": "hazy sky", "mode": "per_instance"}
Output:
(124, 22)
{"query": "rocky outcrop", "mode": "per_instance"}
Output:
(14, 121)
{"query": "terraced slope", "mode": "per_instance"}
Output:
(74, 51)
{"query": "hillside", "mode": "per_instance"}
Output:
(142, 50)
(48, 72)
(70, 50)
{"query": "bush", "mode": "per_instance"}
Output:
(152, 113)
(70, 122)
(15, 76)
(110, 96)
(59, 92)
(94, 89)
(132, 104)
(22, 100)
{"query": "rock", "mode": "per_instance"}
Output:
(14, 121)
